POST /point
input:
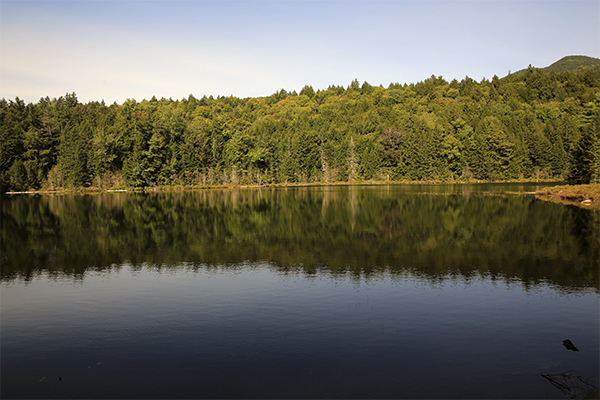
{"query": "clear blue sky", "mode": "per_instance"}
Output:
(114, 50)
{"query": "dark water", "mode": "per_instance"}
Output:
(415, 291)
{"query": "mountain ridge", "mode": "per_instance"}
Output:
(568, 63)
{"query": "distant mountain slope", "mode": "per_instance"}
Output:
(574, 63)
(571, 63)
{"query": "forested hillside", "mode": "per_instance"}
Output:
(533, 125)
(571, 63)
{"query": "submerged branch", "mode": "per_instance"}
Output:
(573, 386)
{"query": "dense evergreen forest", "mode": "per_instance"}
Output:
(531, 125)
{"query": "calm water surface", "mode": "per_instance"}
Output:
(415, 291)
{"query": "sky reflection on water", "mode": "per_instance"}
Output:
(253, 330)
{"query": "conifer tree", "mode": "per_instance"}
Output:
(585, 157)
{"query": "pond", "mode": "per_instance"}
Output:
(386, 291)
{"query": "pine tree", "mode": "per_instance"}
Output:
(585, 157)
(352, 163)
(73, 155)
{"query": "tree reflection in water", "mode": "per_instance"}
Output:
(433, 230)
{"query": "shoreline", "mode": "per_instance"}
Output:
(96, 190)
(585, 196)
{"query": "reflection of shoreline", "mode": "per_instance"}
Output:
(398, 275)
(454, 229)
(433, 279)
(152, 189)
(578, 203)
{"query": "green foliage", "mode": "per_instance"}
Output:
(585, 163)
(307, 91)
(571, 63)
(73, 155)
(530, 125)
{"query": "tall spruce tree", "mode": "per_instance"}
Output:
(585, 157)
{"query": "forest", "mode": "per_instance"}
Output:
(534, 125)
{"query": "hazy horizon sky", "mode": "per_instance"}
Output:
(115, 50)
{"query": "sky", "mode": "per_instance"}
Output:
(117, 50)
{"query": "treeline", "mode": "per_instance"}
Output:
(534, 125)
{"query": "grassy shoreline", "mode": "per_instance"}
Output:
(587, 196)
(94, 189)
